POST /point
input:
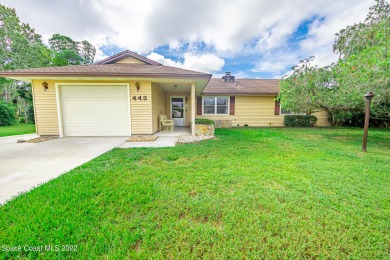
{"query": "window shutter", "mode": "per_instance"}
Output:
(232, 105)
(199, 106)
(277, 108)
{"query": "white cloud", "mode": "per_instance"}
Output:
(205, 63)
(276, 63)
(228, 28)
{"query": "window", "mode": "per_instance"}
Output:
(284, 112)
(215, 105)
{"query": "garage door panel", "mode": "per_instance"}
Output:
(95, 110)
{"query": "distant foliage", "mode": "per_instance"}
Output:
(21, 48)
(364, 65)
(70, 52)
(299, 120)
(7, 114)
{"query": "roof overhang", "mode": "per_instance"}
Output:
(239, 94)
(200, 82)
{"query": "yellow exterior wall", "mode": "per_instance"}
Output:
(322, 119)
(252, 110)
(130, 60)
(141, 110)
(158, 105)
(259, 111)
(45, 105)
(187, 105)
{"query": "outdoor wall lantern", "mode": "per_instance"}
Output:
(45, 86)
(137, 86)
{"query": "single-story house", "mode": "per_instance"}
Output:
(126, 93)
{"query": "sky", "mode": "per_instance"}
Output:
(249, 38)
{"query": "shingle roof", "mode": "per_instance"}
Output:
(242, 86)
(122, 69)
(125, 54)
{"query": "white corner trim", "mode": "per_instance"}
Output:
(59, 110)
(128, 106)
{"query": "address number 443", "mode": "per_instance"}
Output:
(139, 98)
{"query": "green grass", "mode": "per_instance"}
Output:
(18, 129)
(251, 193)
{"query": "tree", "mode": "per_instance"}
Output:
(21, 47)
(305, 91)
(66, 51)
(365, 62)
(87, 52)
(364, 65)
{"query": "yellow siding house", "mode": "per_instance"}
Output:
(125, 95)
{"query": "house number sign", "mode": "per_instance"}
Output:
(142, 98)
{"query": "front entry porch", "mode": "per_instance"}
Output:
(179, 130)
(177, 101)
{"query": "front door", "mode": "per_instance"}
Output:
(177, 110)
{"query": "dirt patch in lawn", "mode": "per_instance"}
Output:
(142, 138)
(184, 139)
(37, 140)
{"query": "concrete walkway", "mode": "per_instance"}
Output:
(161, 141)
(165, 139)
(26, 165)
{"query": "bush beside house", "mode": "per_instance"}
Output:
(299, 120)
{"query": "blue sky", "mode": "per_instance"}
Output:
(250, 38)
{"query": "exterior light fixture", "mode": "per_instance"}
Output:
(137, 86)
(368, 96)
(45, 86)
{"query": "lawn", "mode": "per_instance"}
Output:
(250, 193)
(18, 129)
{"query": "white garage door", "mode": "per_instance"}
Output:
(95, 110)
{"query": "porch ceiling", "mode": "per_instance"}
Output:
(182, 87)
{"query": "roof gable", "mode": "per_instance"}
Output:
(128, 57)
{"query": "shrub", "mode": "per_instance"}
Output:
(246, 125)
(30, 114)
(299, 120)
(348, 118)
(7, 114)
(22, 119)
(203, 121)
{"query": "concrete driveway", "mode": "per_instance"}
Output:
(25, 165)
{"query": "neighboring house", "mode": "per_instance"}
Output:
(125, 94)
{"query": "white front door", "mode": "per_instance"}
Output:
(178, 110)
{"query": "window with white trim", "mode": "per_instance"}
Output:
(215, 105)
